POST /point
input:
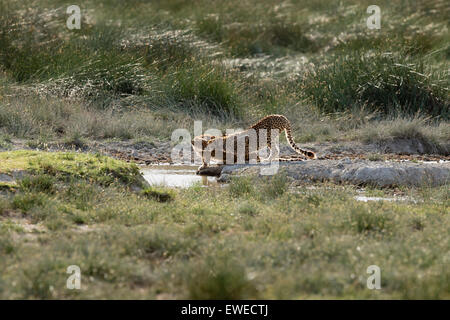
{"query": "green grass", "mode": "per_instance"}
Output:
(380, 82)
(158, 195)
(26, 202)
(220, 278)
(233, 242)
(141, 69)
(96, 167)
(163, 67)
(431, 138)
(41, 183)
(273, 37)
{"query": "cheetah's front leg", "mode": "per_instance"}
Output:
(203, 166)
(205, 161)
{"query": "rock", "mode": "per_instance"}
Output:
(12, 176)
(6, 178)
(360, 172)
(210, 171)
(412, 146)
(224, 178)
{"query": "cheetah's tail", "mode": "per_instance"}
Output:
(307, 153)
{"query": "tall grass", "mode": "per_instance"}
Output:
(247, 39)
(132, 62)
(98, 64)
(383, 82)
(202, 88)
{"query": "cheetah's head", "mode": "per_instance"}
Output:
(205, 139)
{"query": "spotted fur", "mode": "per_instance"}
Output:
(215, 146)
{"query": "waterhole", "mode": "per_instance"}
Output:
(175, 176)
(367, 199)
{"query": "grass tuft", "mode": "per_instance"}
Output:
(27, 201)
(40, 183)
(241, 186)
(158, 194)
(219, 279)
(378, 82)
(366, 221)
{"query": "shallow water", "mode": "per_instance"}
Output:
(424, 161)
(175, 176)
(366, 199)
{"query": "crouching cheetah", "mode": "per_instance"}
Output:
(209, 146)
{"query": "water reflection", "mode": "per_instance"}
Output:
(175, 176)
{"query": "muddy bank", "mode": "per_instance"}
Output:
(160, 152)
(157, 152)
(141, 152)
(359, 172)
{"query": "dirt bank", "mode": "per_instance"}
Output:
(157, 152)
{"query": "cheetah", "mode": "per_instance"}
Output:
(215, 146)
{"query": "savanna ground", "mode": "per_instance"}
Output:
(137, 70)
